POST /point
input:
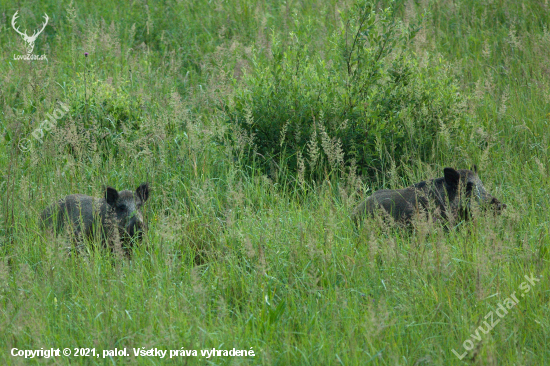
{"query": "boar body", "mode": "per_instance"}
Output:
(444, 199)
(114, 219)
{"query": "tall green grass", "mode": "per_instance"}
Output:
(233, 257)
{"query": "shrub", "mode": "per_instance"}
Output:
(363, 101)
(107, 114)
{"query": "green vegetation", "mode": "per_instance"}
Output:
(259, 134)
(361, 98)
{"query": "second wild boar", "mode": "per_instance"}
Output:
(447, 198)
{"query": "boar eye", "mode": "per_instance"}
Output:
(121, 207)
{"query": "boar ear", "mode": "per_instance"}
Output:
(451, 177)
(111, 196)
(143, 192)
(475, 168)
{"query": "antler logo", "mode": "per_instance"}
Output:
(30, 40)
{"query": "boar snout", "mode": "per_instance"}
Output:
(135, 226)
(497, 205)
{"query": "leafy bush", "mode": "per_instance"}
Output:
(364, 101)
(107, 114)
(106, 106)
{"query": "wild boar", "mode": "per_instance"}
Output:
(444, 199)
(115, 219)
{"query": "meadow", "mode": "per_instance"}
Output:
(250, 244)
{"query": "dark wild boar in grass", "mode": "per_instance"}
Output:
(445, 199)
(115, 219)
